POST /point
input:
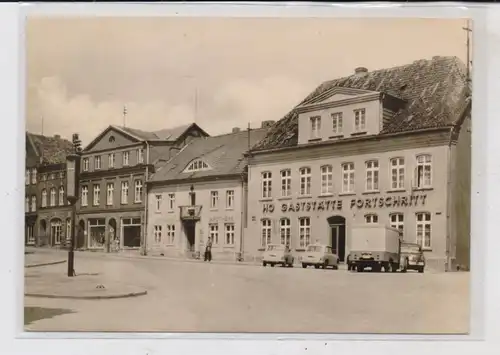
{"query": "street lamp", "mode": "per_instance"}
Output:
(72, 177)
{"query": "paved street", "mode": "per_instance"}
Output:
(198, 297)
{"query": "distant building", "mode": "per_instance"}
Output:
(113, 173)
(200, 193)
(47, 214)
(390, 146)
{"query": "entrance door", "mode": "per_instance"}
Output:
(189, 230)
(337, 236)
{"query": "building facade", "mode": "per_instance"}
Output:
(201, 193)
(48, 215)
(375, 147)
(112, 208)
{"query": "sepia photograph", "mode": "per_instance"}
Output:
(247, 175)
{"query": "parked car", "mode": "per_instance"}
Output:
(318, 255)
(278, 254)
(414, 256)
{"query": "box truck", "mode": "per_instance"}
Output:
(377, 247)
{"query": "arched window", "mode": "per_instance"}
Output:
(44, 198)
(53, 196)
(197, 165)
(68, 230)
(33, 203)
(371, 218)
(61, 195)
(27, 204)
(285, 231)
(266, 232)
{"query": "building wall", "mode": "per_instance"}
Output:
(348, 205)
(221, 215)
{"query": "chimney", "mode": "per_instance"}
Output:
(57, 136)
(236, 129)
(360, 71)
(267, 124)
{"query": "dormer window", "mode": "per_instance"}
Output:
(315, 127)
(337, 123)
(360, 120)
(197, 165)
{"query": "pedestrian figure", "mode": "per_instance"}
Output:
(208, 250)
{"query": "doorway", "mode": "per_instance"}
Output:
(337, 236)
(190, 231)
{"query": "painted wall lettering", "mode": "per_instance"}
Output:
(389, 201)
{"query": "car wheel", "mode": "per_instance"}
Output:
(272, 265)
(405, 266)
(264, 264)
(304, 266)
(325, 265)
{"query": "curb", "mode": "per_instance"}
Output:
(45, 264)
(124, 295)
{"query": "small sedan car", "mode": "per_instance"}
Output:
(277, 254)
(320, 256)
(413, 255)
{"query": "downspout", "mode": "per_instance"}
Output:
(449, 185)
(243, 216)
(145, 233)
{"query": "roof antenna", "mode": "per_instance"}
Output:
(124, 116)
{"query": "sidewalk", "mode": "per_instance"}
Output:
(56, 284)
(36, 260)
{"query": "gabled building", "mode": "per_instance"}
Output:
(47, 214)
(389, 146)
(113, 172)
(199, 193)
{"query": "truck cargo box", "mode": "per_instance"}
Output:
(374, 238)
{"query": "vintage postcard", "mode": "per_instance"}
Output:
(293, 175)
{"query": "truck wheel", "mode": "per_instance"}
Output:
(264, 264)
(359, 268)
(316, 266)
(405, 266)
(394, 267)
(325, 265)
(272, 265)
(304, 266)
(421, 270)
(377, 268)
(387, 267)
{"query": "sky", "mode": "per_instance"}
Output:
(218, 72)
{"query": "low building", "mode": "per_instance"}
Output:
(48, 215)
(389, 146)
(114, 168)
(201, 193)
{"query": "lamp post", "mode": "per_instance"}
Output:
(72, 178)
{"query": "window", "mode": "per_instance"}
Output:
(424, 229)
(397, 221)
(53, 197)
(140, 156)
(197, 165)
(266, 184)
(266, 233)
(286, 183)
(424, 171)
(126, 157)
(33, 203)
(27, 177)
(44, 198)
(111, 160)
(371, 218)
(229, 199)
(397, 173)
(359, 120)
(31, 235)
(27, 204)
(348, 177)
(337, 123)
(315, 127)
(229, 227)
(285, 231)
(158, 199)
(61, 195)
(326, 180)
(33, 176)
(372, 175)
(61, 175)
(171, 201)
(214, 232)
(97, 162)
(305, 181)
(157, 233)
(110, 190)
(85, 164)
(170, 234)
(85, 196)
(52, 176)
(56, 231)
(304, 231)
(97, 195)
(138, 191)
(214, 199)
(124, 194)
(68, 230)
